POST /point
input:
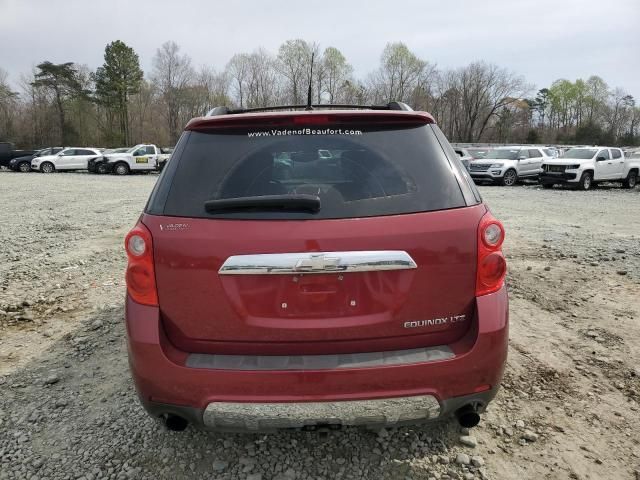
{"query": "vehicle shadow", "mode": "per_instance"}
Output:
(76, 403)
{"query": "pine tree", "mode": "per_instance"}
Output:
(118, 79)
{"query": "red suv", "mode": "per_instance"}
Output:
(313, 268)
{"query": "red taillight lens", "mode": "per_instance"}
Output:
(492, 267)
(140, 276)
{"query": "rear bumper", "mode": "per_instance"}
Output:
(230, 399)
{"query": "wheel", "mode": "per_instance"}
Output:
(101, 168)
(631, 180)
(121, 169)
(24, 167)
(586, 181)
(510, 178)
(47, 167)
(547, 186)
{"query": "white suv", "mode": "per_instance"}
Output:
(507, 165)
(584, 167)
(72, 158)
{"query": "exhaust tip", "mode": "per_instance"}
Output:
(175, 423)
(467, 416)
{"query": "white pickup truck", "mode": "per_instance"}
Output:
(141, 158)
(585, 167)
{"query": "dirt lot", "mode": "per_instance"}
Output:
(568, 407)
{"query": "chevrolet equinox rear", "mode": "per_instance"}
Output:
(313, 269)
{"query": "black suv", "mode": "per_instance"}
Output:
(23, 163)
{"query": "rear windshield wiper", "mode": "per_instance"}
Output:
(295, 202)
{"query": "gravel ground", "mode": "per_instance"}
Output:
(568, 407)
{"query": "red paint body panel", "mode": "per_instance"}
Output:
(202, 311)
(160, 375)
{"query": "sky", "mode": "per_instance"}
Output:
(542, 40)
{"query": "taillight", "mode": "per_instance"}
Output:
(311, 120)
(492, 267)
(140, 276)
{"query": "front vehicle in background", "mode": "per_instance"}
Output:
(314, 269)
(68, 159)
(465, 156)
(507, 165)
(584, 167)
(141, 158)
(23, 164)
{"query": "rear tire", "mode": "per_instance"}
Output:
(631, 180)
(547, 186)
(47, 167)
(121, 169)
(101, 168)
(510, 178)
(586, 181)
(24, 167)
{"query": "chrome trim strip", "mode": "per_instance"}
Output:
(317, 262)
(269, 416)
(319, 362)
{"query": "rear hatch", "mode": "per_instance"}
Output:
(383, 258)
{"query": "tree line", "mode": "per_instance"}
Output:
(118, 104)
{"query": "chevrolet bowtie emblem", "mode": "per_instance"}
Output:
(318, 263)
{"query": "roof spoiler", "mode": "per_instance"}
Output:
(223, 110)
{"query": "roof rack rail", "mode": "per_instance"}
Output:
(228, 111)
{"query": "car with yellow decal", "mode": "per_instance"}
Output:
(141, 158)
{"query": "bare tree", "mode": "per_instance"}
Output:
(8, 104)
(238, 72)
(263, 81)
(336, 73)
(398, 74)
(145, 109)
(172, 73)
(294, 61)
(484, 89)
(619, 112)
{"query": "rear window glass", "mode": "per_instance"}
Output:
(360, 172)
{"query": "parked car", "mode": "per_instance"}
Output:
(141, 158)
(23, 164)
(7, 153)
(465, 156)
(552, 152)
(71, 158)
(585, 167)
(507, 165)
(367, 289)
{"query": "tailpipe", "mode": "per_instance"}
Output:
(175, 423)
(467, 416)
